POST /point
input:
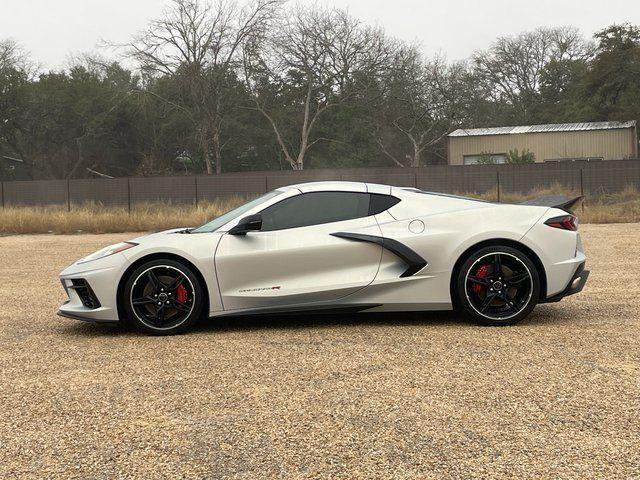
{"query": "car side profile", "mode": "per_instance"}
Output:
(336, 246)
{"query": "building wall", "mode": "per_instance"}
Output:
(608, 144)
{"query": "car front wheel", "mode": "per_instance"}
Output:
(497, 285)
(163, 297)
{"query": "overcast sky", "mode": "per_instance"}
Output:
(51, 30)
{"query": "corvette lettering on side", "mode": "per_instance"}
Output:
(259, 289)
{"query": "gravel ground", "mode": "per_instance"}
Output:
(393, 396)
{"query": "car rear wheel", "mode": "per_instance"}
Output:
(497, 285)
(163, 297)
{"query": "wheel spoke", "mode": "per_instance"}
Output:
(487, 301)
(153, 279)
(497, 264)
(160, 315)
(478, 280)
(517, 278)
(183, 307)
(143, 300)
(177, 282)
(518, 304)
(507, 301)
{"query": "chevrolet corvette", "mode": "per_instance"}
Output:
(337, 247)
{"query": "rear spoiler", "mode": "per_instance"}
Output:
(555, 201)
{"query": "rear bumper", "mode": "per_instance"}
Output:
(575, 285)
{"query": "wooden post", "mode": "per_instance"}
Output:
(582, 189)
(498, 183)
(129, 194)
(68, 196)
(195, 185)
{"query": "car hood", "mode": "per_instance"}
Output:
(152, 237)
(173, 240)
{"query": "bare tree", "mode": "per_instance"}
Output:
(316, 60)
(421, 101)
(198, 44)
(14, 56)
(513, 66)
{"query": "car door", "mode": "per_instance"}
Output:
(294, 259)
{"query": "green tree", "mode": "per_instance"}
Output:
(515, 157)
(612, 83)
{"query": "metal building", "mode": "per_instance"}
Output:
(549, 143)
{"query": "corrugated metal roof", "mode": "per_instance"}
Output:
(553, 127)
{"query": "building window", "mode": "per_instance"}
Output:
(485, 158)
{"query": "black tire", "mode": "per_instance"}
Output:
(497, 286)
(163, 297)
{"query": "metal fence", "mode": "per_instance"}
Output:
(497, 181)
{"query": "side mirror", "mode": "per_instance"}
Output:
(251, 223)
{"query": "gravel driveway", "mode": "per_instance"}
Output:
(384, 396)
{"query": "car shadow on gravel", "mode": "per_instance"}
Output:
(280, 322)
(318, 320)
(542, 315)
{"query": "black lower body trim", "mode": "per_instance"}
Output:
(411, 258)
(572, 287)
(298, 309)
(86, 319)
(84, 291)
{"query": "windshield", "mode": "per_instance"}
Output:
(225, 218)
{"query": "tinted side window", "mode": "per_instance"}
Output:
(315, 208)
(379, 203)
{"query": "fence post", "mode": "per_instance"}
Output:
(498, 183)
(2, 193)
(68, 196)
(195, 187)
(129, 195)
(582, 189)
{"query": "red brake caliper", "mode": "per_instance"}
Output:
(481, 273)
(181, 294)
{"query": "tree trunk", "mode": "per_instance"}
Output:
(217, 154)
(206, 153)
(415, 161)
(80, 158)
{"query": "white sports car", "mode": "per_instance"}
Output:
(336, 246)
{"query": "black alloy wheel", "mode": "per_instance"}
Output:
(498, 286)
(163, 297)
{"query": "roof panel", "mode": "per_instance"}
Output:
(554, 127)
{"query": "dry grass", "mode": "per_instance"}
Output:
(616, 207)
(402, 396)
(619, 207)
(100, 219)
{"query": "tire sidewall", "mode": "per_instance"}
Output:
(463, 301)
(195, 314)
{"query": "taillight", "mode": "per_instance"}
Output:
(564, 222)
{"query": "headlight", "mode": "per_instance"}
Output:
(110, 250)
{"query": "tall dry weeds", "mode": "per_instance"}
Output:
(618, 207)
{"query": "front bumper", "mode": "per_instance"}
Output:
(575, 285)
(92, 289)
(67, 312)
